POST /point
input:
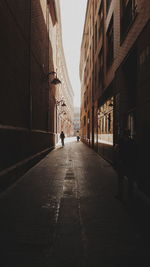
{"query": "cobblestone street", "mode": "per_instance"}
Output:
(63, 213)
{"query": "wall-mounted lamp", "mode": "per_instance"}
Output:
(63, 104)
(111, 104)
(85, 33)
(60, 102)
(62, 113)
(55, 80)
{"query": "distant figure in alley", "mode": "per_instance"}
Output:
(62, 137)
(78, 137)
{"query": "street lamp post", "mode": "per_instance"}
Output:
(55, 80)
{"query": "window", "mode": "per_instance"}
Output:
(131, 123)
(100, 22)
(90, 26)
(85, 104)
(92, 86)
(108, 2)
(85, 52)
(87, 91)
(95, 78)
(90, 91)
(128, 13)
(95, 2)
(110, 44)
(85, 75)
(109, 122)
(84, 120)
(90, 57)
(101, 30)
(87, 64)
(88, 125)
(100, 68)
(95, 36)
(105, 123)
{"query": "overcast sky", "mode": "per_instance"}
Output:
(72, 17)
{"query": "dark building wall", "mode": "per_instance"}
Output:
(132, 85)
(24, 88)
(39, 66)
(125, 81)
(14, 73)
(143, 108)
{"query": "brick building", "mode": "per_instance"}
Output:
(76, 120)
(114, 73)
(62, 94)
(28, 99)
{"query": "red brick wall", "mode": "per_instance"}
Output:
(121, 49)
(116, 75)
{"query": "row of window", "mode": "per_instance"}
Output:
(105, 123)
(105, 127)
(127, 13)
(128, 10)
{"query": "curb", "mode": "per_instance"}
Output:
(11, 174)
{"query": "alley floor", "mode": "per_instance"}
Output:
(63, 213)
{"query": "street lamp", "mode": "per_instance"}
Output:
(55, 80)
(111, 104)
(62, 112)
(62, 103)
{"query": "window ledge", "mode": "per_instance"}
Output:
(124, 35)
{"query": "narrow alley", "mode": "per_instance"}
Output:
(74, 133)
(63, 213)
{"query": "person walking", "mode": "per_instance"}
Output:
(62, 137)
(78, 137)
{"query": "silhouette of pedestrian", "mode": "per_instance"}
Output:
(62, 137)
(78, 137)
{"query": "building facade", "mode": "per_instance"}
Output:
(28, 94)
(114, 73)
(63, 92)
(76, 120)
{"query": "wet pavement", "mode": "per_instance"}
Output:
(63, 213)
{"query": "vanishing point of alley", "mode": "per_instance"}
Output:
(63, 212)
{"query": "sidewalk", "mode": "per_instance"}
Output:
(63, 213)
